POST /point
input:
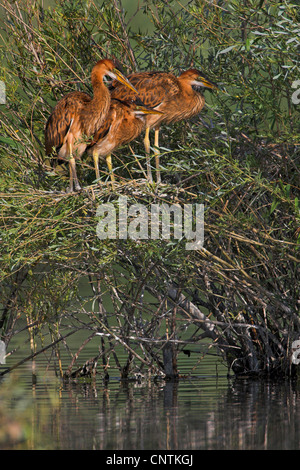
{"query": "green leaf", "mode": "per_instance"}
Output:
(273, 206)
(228, 49)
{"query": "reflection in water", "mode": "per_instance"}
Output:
(258, 415)
(203, 413)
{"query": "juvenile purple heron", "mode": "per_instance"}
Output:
(179, 98)
(124, 123)
(77, 116)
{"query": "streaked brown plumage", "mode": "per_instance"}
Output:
(124, 122)
(177, 97)
(77, 117)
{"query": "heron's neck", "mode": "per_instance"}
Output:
(94, 114)
(186, 87)
(101, 94)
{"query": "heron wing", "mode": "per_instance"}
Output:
(154, 88)
(103, 129)
(65, 114)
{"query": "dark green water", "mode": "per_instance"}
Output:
(209, 411)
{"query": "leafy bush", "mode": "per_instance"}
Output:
(240, 158)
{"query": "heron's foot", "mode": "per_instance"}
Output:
(70, 189)
(149, 177)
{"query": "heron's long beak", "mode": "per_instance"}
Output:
(203, 81)
(117, 75)
(145, 110)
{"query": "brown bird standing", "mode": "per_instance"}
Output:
(177, 97)
(77, 116)
(124, 122)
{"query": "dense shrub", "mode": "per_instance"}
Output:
(240, 158)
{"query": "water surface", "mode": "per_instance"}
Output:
(205, 412)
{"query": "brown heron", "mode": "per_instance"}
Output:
(179, 98)
(77, 116)
(124, 122)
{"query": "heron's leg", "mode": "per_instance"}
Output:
(147, 149)
(157, 154)
(110, 169)
(96, 163)
(69, 147)
(72, 167)
(73, 175)
(71, 189)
